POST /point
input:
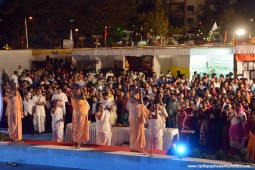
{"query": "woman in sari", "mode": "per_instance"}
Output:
(206, 113)
(186, 116)
(251, 141)
(236, 131)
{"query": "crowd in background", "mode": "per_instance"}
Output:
(219, 109)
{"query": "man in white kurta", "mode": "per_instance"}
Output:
(110, 105)
(59, 95)
(103, 127)
(57, 122)
(39, 115)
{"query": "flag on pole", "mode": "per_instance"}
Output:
(225, 36)
(214, 28)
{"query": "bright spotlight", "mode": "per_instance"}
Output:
(240, 32)
(180, 149)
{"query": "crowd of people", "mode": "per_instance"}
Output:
(219, 109)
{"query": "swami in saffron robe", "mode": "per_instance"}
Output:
(15, 114)
(80, 120)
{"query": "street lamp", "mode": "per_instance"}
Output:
(30, 18)
(240, 32)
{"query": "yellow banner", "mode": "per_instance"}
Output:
(183, 70)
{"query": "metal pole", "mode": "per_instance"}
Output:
(97, 40)
(105, 36)
(141, 33)
(26, 32)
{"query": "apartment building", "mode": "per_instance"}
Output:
(185, 13)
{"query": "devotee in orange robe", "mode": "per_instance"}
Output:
(15, 114)
(80, 117)
(137, 117)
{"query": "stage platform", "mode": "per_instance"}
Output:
(63, 155)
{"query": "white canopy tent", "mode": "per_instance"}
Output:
(184, 59)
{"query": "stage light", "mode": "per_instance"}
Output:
(181, 151)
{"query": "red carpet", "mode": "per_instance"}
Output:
(97, 147)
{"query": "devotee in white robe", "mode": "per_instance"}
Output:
(156, 125)
(57, 122)
(103, 126)
(110, 105)
(59, 95)
(39, 114)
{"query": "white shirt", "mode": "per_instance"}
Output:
(216, 84)
(15, 79)
(30, 95)
(57, 116)
(39, 110)
(27, 106)
(20, 71)
(62, 97)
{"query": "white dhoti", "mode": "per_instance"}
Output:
(57, 131)
(156, 143)
(39, 123)
(57, 125)
(103, 129)
(103, 138)
(156, 133)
